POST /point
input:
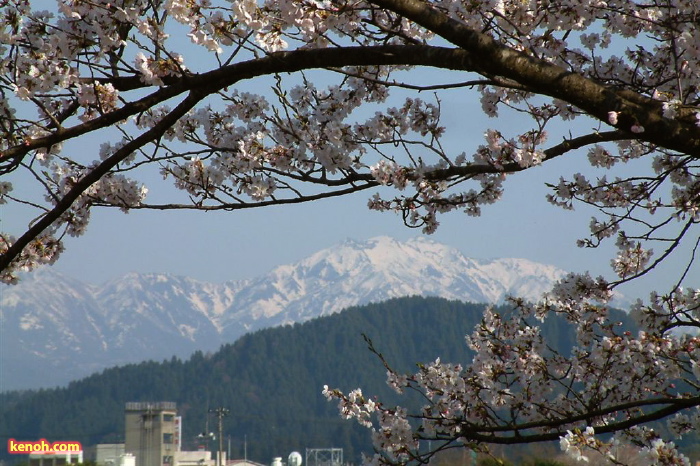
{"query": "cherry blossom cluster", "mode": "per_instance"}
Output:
(681, 308)
(97, 99)
(517, 383)
(577, 442)
(353, 405)
(44, 250)
(655, 450)
(499, 151)
(244, 159)
(152, 70)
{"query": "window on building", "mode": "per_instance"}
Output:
(167, 460)
(167, 438)
(168, 417)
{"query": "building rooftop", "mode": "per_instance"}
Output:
(147, 405)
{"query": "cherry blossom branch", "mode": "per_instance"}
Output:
(367, 180)
(432, 87)
(220, 78)
(226, 206)
(95, 174)
(541, 77)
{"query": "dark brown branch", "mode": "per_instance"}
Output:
(94, 176)
(553, 152)
(415, 87)
(279, 62)
(542, 77)
(368, 180)
(250, 205)
(674, 405)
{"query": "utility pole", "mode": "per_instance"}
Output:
(220, 413)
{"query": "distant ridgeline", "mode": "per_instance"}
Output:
(270, 380)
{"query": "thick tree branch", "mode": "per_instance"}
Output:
(279, 62)
(545, 78)
(94, 176)
(213, 81)
(518, 433)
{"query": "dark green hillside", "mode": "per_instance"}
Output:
(271, 381)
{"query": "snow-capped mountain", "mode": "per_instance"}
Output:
(359, 272)
(54, 329)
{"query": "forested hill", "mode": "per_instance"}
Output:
(270, 380)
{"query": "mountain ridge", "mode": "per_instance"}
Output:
(54, 329)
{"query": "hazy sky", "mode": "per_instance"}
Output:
(220, 246)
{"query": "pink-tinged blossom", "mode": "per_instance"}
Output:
(670, 109)
(578, 444)
(5, 189)
(631, 259)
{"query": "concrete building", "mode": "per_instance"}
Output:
(109, 454)
(152, 432)
(105, 454)
(55, 459)
(194, 458)
(243, 462)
